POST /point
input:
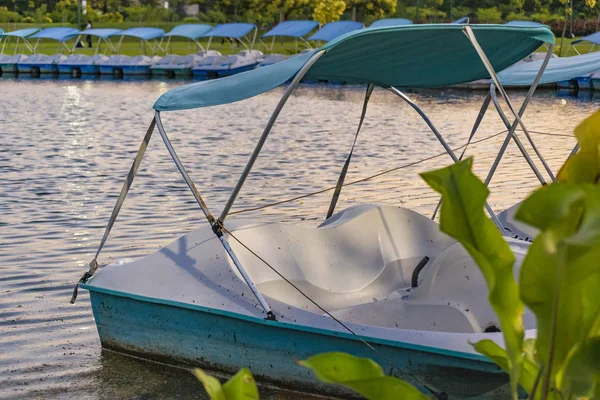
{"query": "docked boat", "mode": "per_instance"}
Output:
(375, 281)
(219, 66)
(573, 73)
(121, 65)
(173, 65)
(81, 64)
(287, 29)
(37, 63)
(8, 62)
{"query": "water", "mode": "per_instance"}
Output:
(67, 145)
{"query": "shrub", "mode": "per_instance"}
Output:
(488, 15)
(9, 16)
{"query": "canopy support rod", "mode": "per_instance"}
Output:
(211, 219)
(340, 182)
(513, 135)
(484, 106)
(486, 62)
(266, 131)
(445, 145)
(115, 213)
(574, 151)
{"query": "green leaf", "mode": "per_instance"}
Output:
(584, 167)
(240, 387)
(362, 375)
(497, 354)
(549, 204)
(212, 386)
(577, 288)
(462, 217)
(581, 374)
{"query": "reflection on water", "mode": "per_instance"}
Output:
(67, 145)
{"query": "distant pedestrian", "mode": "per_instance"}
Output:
(88, 38)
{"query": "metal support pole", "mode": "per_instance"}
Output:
(79, 14)
(571, 24)
(482, 111)
(266, 131)
(486, 62)
(211, 219)
(445, 145)
(574, 151)
(513, 135)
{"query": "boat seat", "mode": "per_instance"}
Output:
(448, 297)
(345, 255)
(454, 280)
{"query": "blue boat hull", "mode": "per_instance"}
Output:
(234, 71)
(585, 83)
(172, 72)
(78, 69)
(37, 68)
(8, 69)
(192, 335)
(125, 70)
(567, 85)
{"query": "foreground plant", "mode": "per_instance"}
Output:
(559, 282)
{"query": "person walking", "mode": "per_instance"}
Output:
(88, 38)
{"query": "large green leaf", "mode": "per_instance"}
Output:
(462, 217)
(584, 167)
(497, 354)
(560, 276)
(581, 374)
(571, 283)
(362, 375)
(240, 387)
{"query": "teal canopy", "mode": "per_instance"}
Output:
(423, 56)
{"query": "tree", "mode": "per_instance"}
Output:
(328, 10)
(283, 8)
(371, 8)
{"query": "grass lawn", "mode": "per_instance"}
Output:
(131, 46)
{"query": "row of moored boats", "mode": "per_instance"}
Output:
(578, 72)
(203, 63)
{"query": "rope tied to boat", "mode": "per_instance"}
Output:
(93, 265)
(84, 278)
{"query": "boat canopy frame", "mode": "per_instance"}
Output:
(286, 29)
(103, 36)
(20, 36)
(241, 37)
(60, 34)
(593, 38)
(217, 224)
(195, 32)
(153, 35)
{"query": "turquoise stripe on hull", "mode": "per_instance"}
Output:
(175, 334)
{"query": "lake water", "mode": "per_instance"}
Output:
(67, 145)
